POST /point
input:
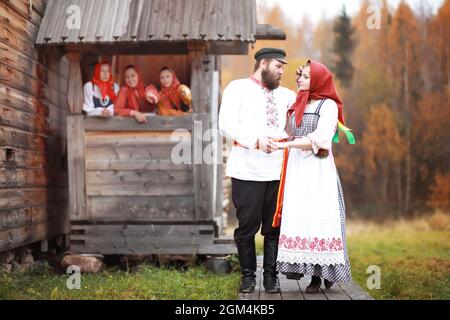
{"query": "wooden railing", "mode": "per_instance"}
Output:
(155, 123)
(112, 175)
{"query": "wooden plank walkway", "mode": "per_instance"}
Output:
(296, 290)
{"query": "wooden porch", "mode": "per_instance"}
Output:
(296, 290)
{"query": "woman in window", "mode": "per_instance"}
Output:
(134, 99)
(100, 93)
(175, 98)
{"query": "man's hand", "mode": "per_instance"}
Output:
(298, 74)
(140, 117)
(266, 145)
(151, 97)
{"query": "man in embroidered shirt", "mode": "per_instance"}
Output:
(253, 115)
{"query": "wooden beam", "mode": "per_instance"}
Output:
(203, 170)
(201, 87)
(75, 86)
(151, 208)
(159, 48)
(175, 247)
(147, 239)
(23, 217)
(269, 32)
(155, 123)
(228, 48)
(217, 178)
(18, 237)
(201, 77)
(77, 167)
(128, 48)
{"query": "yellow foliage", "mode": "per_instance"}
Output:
(440, 192)
(439, 221)
(382, 142)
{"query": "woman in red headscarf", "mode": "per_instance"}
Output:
(134, 99)
(100, 93)
(175, 98)
(310, 204)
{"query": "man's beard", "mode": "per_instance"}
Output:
(269, 79)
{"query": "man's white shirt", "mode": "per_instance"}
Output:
(244, 117)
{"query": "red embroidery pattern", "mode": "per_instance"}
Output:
(271, 109)
(311, 244)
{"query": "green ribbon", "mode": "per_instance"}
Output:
(346, 131)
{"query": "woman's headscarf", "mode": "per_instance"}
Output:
(133, 94)
(321, 87)
(170, 95)
(106, 87)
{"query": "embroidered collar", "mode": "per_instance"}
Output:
(259, 83)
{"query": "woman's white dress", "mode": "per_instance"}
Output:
(93, 101)
(312, 235)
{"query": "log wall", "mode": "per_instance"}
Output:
(33, 108)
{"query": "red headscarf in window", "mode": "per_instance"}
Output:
(136, 93)
(169, 96)
(106, 87)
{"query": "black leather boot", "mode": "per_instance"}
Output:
(270, 281)
(314, 286)
(247, 261)
(328, 284)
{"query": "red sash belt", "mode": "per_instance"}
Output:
(277, 215)
(237, 144)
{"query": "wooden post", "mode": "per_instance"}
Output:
(201, 87)
(217, 187)
(77, 167)
(75, 84)
(199, 76)
(76, 140)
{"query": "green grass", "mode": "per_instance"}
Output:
(146, 282)
(414, 258)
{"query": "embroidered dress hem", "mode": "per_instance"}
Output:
(310, 257)
(332, 272)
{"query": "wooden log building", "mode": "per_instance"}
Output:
(110, 183)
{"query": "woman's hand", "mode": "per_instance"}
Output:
(140, 117)
(151, 97)
(282, 145)
(298, 74)
(185, 94)
(301, 143)
(267, 145)
(105, 113)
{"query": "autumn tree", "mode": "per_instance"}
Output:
(384, 149)
(343, 48)
(439, 198)
(403, 46)
(397, 102)
(322, 41)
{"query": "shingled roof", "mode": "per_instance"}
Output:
(112, 21)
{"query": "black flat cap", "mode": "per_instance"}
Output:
(271, 53)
